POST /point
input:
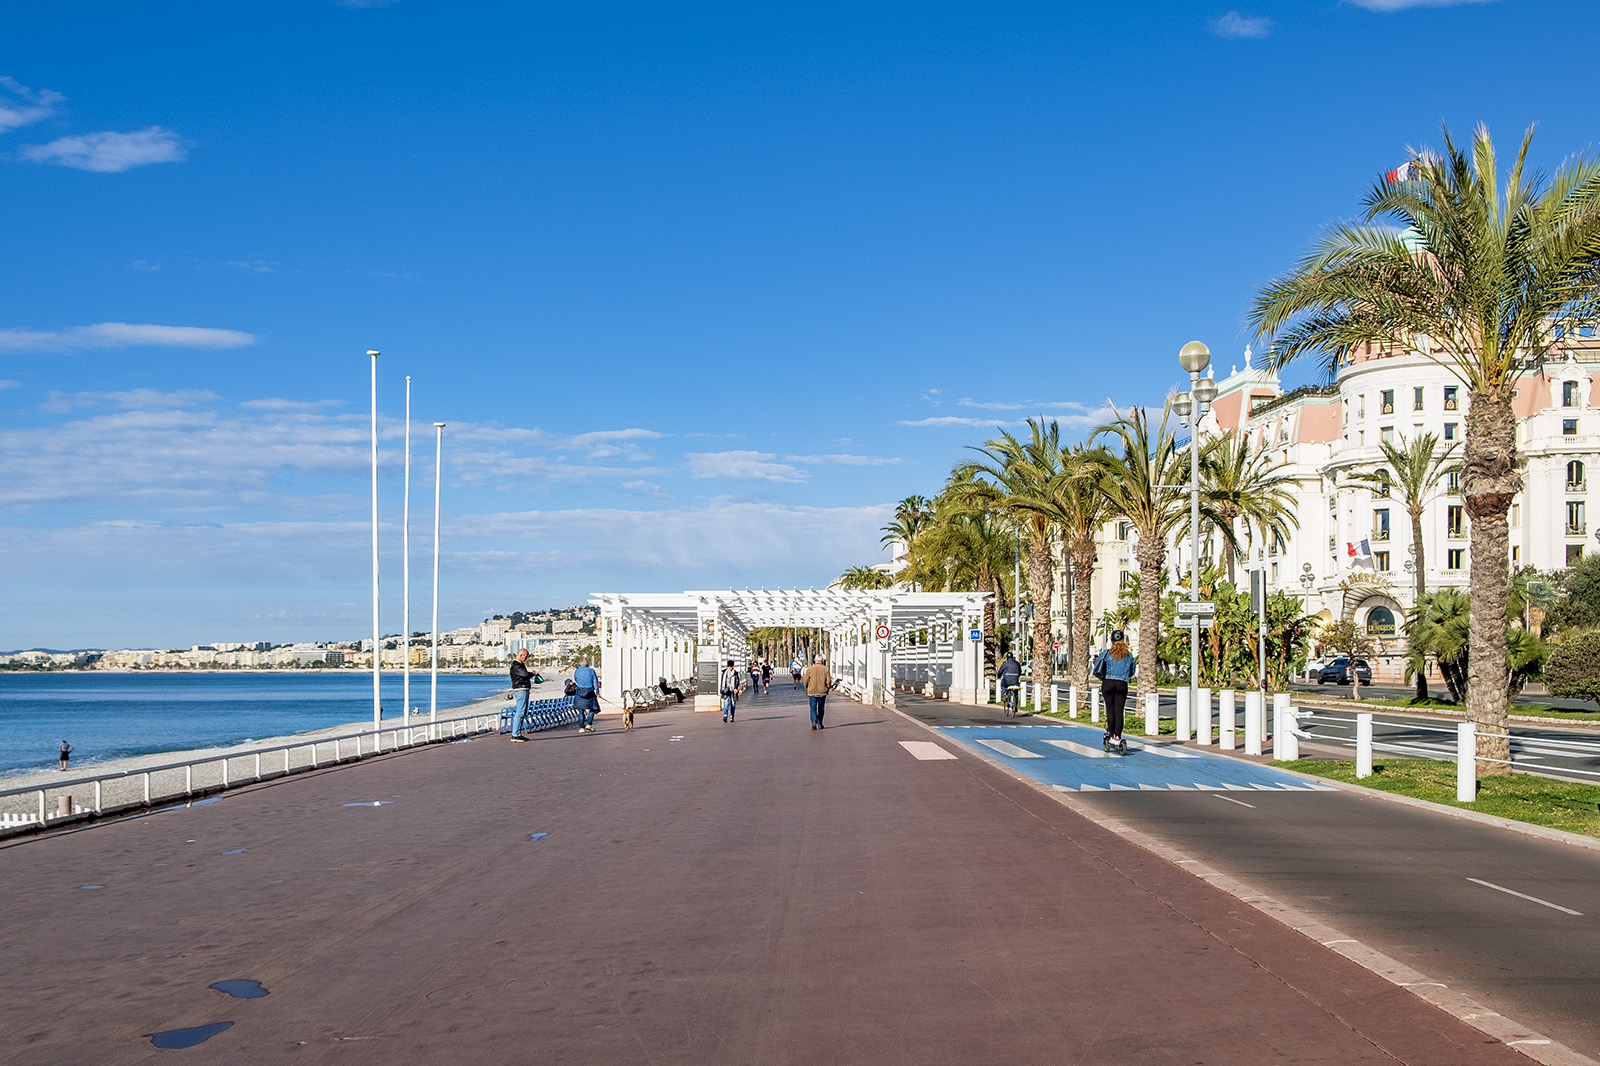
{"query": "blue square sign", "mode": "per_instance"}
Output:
(975, 634)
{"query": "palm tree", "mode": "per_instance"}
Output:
(1412, 472)
(1478, 280)
(1238, 483)
(865, 577)
(1081, 509)
(1019, 477)
(1140, 487)
(966, 550)
(910, 516)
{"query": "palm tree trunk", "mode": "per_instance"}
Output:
(1489, 480)
(1041, 585)
(989, 635)
(1152, 555)
(1422, 584)
(1084, 558)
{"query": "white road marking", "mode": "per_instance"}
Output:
(1241, 803)
(1524, 895)
(1009, 750)
(1081, 749)
(925, 750)
(1163, 750)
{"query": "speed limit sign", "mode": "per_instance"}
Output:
(883, 632)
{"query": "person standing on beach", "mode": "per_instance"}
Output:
(66, 751)
(521, 692)
(818, 684)
(588, 683)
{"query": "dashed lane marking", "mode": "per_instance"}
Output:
(1524, 895)
(926, 750)
(1009, 750)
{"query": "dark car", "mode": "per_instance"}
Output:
(1338, 672)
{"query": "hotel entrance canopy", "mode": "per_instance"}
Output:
(875, 638)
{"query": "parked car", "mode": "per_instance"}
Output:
(1314, 668)
(1338, 672)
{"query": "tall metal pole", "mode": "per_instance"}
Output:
(1194, 549)
(438, 452)
(405, 571)
(377, 635)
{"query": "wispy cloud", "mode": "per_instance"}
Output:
(1070, 414)
(111, 152)
(956, 421)
(1387, 6)
(122, 335)
(742, 466)
(10, 384)
(845, 460)
(256, 266)
(22, 106)
(1234, 24)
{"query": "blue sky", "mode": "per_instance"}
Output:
(701, 290)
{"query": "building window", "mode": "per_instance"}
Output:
(1449, 431)
(1575, 518)
(1380, 524)
(1574, 554)
(1124, 530)
(1575, 482)
(1450, 397)
(1515, 520)
(1416, 398)
(1569, 427)
(1387, 433)
(1381, 489)
(1569, 394)
(1361, 438)
(1126, 579)
(1387, 406)
(1452, 484)
(1382, 561)
(1516, 555)
(1455, 520)
(1455, 559)
(1361, 406)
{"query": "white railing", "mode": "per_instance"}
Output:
(161, 783)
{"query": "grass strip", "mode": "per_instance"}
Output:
(1567, 805)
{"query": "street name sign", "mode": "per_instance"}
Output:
(1196, 607)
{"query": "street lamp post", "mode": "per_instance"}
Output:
(377, 633)
(438, 454)
(1191, 408)
(405, 576)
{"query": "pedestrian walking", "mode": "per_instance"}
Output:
(766, 676)
(1115, 668)
(728, 689)
(588, 695)
(66, 752)
(521, 693)
(818, 684)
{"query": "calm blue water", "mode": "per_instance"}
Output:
(114, 716)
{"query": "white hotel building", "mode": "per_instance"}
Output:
(1320, 436)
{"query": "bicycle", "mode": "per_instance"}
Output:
(1012, 696)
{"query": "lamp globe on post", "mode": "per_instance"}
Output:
(1191, 407)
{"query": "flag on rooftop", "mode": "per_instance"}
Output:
(1404, 172)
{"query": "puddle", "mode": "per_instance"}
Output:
(536, 836)
(235, 851)
(240, 988)
(368, 803)
(90, 888)
(182, 1038)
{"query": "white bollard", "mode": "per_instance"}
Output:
(1285, 744)
(1466, 762)
(1225, 719)
(1054, 691)
(1202, 716)
(1183, 713)
(1255, 722)
(1152, 713)
(1072, 701)
(1094, 705)
(997, 690)
(1364, 744)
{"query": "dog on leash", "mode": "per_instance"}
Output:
(627, 718)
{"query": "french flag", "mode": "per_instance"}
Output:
(1350, 549)
(1366, 547)
(1404, 172)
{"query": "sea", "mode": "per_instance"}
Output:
(108, 715)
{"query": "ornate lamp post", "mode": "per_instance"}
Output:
(1191, 408)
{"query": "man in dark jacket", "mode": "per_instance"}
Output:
(521, 692)
(1010, 676)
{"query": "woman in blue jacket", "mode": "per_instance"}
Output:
(1114, 667)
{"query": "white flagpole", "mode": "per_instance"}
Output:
(405, 580)
(438, 453)
(377, 635)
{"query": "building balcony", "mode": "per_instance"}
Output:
(1380, 534)
(1450, 405)
(1577, 486)
(1387, 409)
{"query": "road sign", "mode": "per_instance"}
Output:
(1056, 646)
(1189, 621)
(1196, 607)
(883, 632)
(975, 634)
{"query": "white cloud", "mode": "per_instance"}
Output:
(1387, 6)
(952, 421)
(10, 384)
(742, 466)
(122, 335)
(1234, 24)
(1069, 413)
(110, 152)
(22, 106)
(256, 266)
(845, 460)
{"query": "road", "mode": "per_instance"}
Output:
(1511, 920)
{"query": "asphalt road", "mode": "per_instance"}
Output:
(1510, 919)
(689, 892)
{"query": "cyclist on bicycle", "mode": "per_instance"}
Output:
(1010, 682)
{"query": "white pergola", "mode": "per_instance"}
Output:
(877, 640)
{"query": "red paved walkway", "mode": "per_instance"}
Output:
(753, 893)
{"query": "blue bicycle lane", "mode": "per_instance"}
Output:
(1069, 758)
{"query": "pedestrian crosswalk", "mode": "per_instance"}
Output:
(1070, 758)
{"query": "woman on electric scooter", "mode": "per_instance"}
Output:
(1115, 667)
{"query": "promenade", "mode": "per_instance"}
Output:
(697, 893)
